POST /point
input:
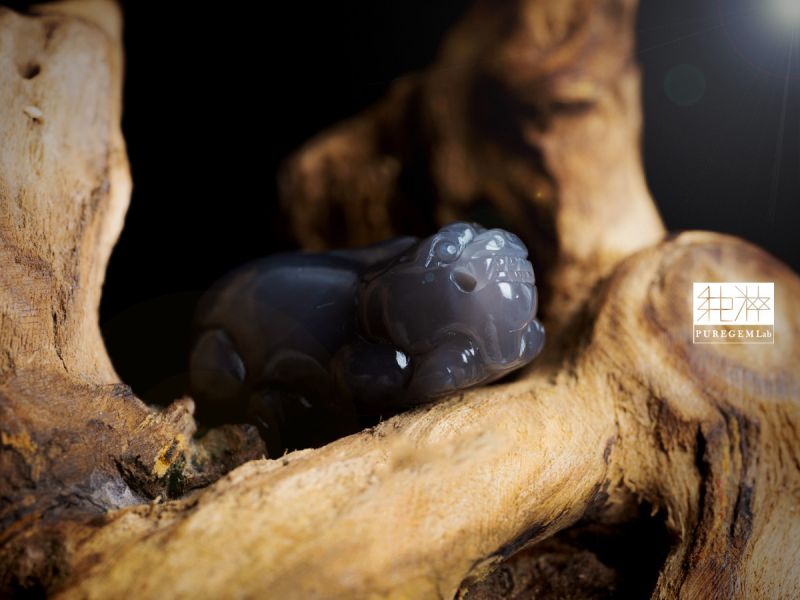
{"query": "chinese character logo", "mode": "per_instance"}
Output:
(733, 312)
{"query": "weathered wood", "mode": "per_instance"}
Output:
(530, 118)
(634, 411)
(621, 410)
(75, 441)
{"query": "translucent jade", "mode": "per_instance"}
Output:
(306, 343)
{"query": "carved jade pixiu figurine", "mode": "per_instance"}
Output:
(305, 343)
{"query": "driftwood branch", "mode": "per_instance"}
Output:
(531, 116)
(75, 441)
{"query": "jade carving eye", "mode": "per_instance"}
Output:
(446, 250)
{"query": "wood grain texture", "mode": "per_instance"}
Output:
(531, 111)
(529, 119)
(75, 440)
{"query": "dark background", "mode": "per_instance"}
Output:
(215, 99)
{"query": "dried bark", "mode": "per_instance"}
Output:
(533, 112)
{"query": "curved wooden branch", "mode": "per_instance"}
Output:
(530, 119)
(418, 503)
(74, 441)
(622, 408)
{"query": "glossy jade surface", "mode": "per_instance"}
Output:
(304, 344)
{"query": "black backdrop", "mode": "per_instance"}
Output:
(215, 99)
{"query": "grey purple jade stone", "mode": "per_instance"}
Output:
(306, 343)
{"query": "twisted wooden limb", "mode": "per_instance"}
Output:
(530, 119)
(74, 441)
(621, 409)
(415, 505)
